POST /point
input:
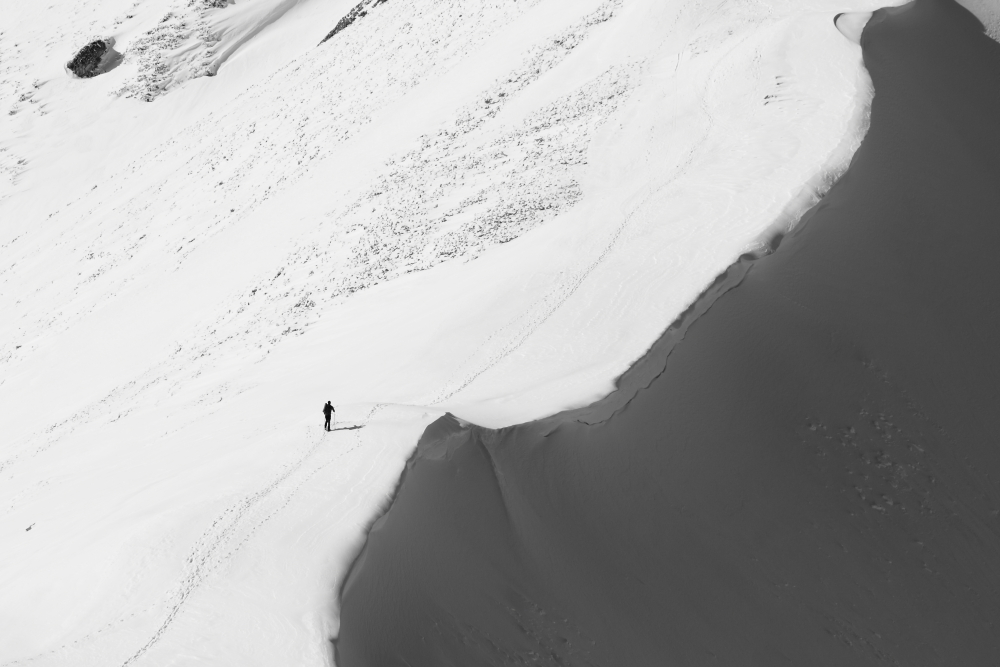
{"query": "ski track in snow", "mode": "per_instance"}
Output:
(232, 529)
(508, 338)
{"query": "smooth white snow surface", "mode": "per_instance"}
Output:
(484, 206)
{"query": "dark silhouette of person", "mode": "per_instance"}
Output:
(328, 413)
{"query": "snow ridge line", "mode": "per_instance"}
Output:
(550, 304)
(556, 297)
(157, 74)
(811, 192)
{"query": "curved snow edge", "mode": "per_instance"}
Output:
(832, 170)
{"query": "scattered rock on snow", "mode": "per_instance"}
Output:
(360, 11)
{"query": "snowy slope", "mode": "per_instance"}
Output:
(483, 206)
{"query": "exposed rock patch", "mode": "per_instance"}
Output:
(94, 59)
(360, 11)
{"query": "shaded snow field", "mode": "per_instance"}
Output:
(483, 206)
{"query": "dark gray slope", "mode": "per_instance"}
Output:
(811, 476)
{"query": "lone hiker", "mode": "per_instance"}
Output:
(328, 412)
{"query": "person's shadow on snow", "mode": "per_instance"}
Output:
(346, 428)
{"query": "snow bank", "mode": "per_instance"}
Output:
(471, 205)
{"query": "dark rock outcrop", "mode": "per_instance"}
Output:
(360, 11)
(96, 58)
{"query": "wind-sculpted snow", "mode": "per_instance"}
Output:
(183, 28)
(484, 206)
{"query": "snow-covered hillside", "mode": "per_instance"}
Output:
(489, 207)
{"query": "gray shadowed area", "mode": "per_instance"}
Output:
(804, 470)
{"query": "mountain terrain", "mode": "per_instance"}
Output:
(216, 215)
